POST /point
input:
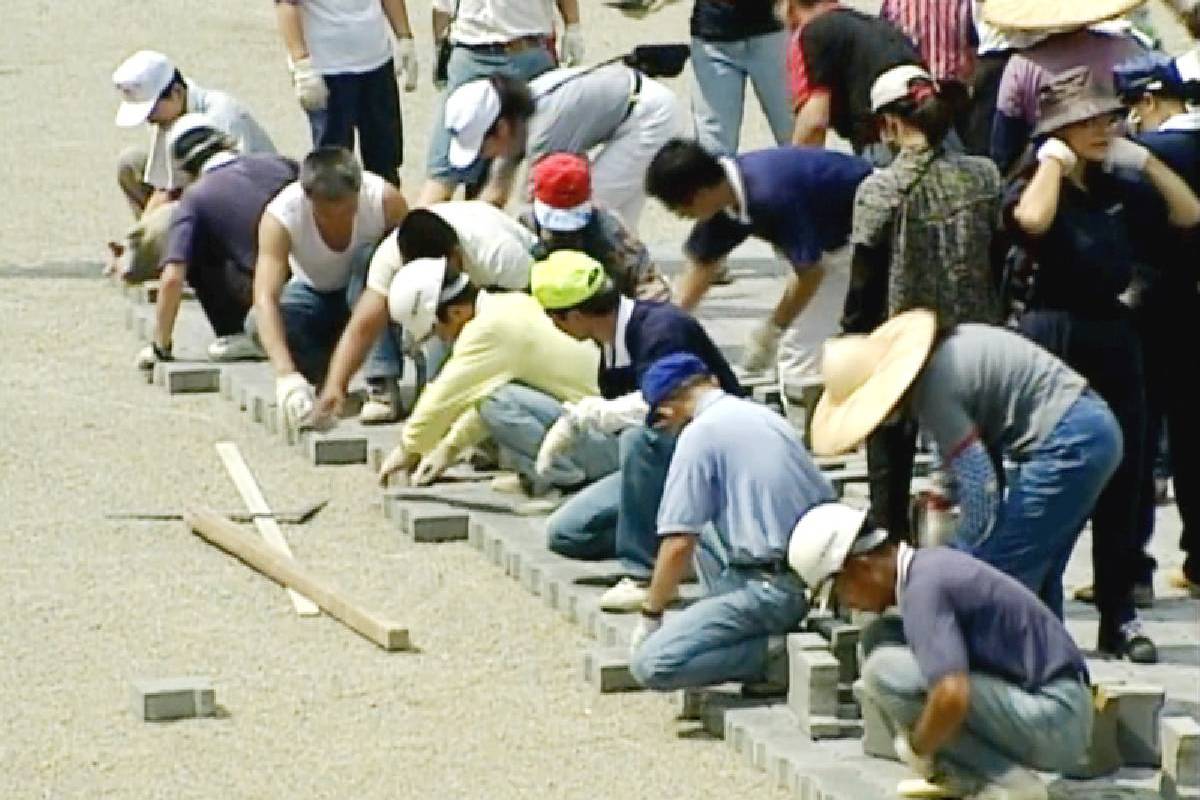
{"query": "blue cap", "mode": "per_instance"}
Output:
(1153, 72)
(666, 375)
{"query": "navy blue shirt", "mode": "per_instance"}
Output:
(648, 331)
(730, 20)
(798, 199)
(1168, 253)
(962, 615)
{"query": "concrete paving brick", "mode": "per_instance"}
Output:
(1169, 789)
(1180, 740)
(427, 525)
(878, 735)
(1139, 707)
(717, 703)
(334, 448)
(1102, 756)
(475, 535)
(607, 669)
(512, 564)
(173, 698)
(806, 641)
(185, 378)
(843, 643)
(812, 685)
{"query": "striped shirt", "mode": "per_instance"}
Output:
(941, 29)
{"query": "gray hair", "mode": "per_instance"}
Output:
(330, 173)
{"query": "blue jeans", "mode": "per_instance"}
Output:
(466, 66)
(718, 98)
(370, 103)
(618, 515)
(518, 417)
(722, 637)
(1006, 727)
(313, 322)
(1049, 498)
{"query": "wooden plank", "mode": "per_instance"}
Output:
(256, 504)
(284, 570)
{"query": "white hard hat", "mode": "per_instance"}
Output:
(416, 292)
(179, 130)
(822, 539)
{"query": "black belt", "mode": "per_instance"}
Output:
(769, 567)
(518, 45)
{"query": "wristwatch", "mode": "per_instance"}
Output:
(648, 613)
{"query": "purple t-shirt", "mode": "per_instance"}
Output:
(1027, 71)
(962, 615)
(216, 221)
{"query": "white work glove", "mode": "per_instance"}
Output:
(557, 441)
(919, 764)
(404, 61)
(295, 399)
(1058, 150)
(150, 355)
(1124, 154)
(397, 461)
(608, 416)
(433, 465)
(644, 628)
(761, 347)
(310, 87)
(570, 52)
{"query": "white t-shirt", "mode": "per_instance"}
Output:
(226, 113)
(496, 21)
(312, 261)
(496, 248)
(346, 36)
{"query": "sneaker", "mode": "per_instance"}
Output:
(1130, 642)
(626, 596)
(382, 404)
(1017, 783)
(1179, 580)
(238, 347)
(926, 789)
(508, 483)
(540, 506)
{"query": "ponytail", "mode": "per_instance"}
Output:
(931, 108)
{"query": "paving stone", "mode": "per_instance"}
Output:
(1169, 789)
(173, 698)
(843, 643)
(607, 669)
(1180, 739)
(1139, 707)
(184, 378)
(807, 641)
(475, 535)
(812, 686)
(1102, 756)
(334, 448)
(878, 735)
(426, 525)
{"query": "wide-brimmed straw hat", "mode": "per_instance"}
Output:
(865, 376)
(1071, 97)
(1052, 15)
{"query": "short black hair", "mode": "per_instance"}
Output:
(679, 170)
(516, 103)
(466, 296)
(176, 80)
(602, 302)
(423, 234)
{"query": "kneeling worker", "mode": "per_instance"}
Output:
(739, 472)
(989, 684)
(509, 372)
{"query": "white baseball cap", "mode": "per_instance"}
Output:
(893, 85)
(141, 79)
(471, 110)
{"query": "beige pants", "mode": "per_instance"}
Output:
(145, 239)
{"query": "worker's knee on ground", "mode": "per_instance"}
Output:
(648, 669)
(561, 538)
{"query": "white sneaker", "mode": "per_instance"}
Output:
(238, 347)
(547, 503)
(381, 406)
(1016, 784)
(922, 789)
(625, 596)
(508, 483)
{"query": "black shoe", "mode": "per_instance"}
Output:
(1129, 643)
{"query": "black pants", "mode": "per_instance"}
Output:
(985, 90)
(890, 453)
(370, 103)
(225, 292)
(1107, 352)
(1171, 364)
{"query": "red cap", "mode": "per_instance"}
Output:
(562, 180)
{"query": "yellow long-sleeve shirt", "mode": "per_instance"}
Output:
(509, 339)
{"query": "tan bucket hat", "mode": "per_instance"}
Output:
(865, 376)
(1043, 15)
(1071, 97)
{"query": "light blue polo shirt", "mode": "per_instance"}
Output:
(743, 468)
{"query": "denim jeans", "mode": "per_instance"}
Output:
(313, 322)
(1049, 498)
(370, 103)
(618, 515)
(517, 417)
(1006, 726)
(722, 637)
(718, 97)
(466, 66)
